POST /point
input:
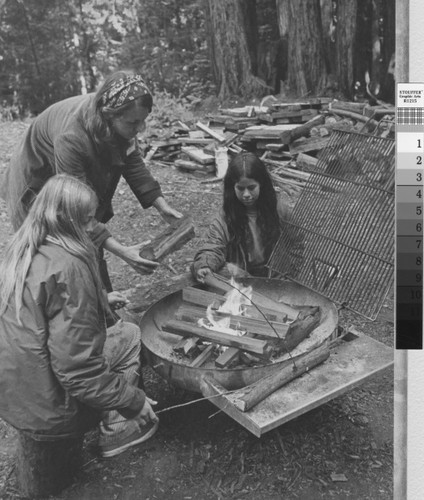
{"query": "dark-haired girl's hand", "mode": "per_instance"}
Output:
(202, 273)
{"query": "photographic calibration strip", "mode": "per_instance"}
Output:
(409, 215)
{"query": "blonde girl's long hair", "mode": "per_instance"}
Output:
(59, 211)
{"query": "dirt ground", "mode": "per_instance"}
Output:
(199, 453)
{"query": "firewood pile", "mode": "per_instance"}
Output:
(288, 137)
(220, 337)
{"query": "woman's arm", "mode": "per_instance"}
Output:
(130, 255)
(145, 187)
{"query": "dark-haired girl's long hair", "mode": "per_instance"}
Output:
(250, 166)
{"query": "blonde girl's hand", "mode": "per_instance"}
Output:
(116, 300)
(202, 273)
(147, 414)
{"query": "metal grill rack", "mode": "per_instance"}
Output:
(344, 218)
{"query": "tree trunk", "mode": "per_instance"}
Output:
(251, 27)
(44, 468)
(345, 45)
(387, 92)
(283, 17)
(328, 34)
(231, 63)
(306, 63)
(363, 47)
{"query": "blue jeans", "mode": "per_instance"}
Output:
(122, 350)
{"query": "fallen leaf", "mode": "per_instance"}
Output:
(338, 478)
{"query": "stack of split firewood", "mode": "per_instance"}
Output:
(287, 136)
(267, 329)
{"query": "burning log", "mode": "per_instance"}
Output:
(260, 300)
(189, 312)
(173, 238)
(299, 330)
(249, 396)
(205, 298)
(185, 329)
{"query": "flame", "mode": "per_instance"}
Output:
(235, 304)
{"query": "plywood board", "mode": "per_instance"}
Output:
(349, 365)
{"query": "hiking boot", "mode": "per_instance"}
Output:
(144, 433)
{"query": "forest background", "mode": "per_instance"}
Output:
(193, 49)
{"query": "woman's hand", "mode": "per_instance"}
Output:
(131, 256)
(116, 300)
(168, 213)
(202, 273)
(147, 414)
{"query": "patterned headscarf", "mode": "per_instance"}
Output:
(124, 90)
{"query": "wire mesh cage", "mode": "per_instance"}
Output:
(344, 222)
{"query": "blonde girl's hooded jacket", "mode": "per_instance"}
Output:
(54, 379)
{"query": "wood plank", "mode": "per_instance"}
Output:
(217, 136)
(191, 166)
(259, 299)
(351, 363)
(245, 343)
(306, 161)
(203, 356)
(192, 313)
(198, 155)
(195, 140)
(291, 135)
(355, 107)
(315, 143)
(205, 298)
(355, 116)
(212, 389)
(229, 356)
(170, 240)
(202, 297)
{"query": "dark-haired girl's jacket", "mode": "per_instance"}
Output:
(59, 141)
(218, 250)
(54, 379)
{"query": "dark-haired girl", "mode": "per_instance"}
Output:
(249, 224)
(91, 137)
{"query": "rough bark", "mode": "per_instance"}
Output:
(345, 45)
(306, 64)
(251, 26)
(388, 51)
(231, 62)
(44, 468)
(283, 17)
